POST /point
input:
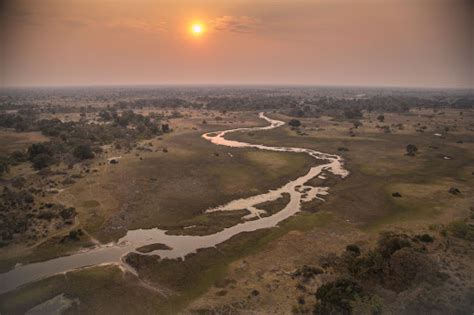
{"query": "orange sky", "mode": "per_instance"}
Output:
(318, 42)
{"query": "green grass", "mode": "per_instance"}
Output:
(272, 207)
(173, 190)
(49, 249)
(209, 266)
(90, 204)
(191, 178)
(102, 289)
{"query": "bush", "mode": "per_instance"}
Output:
(4, 165)
(426, 238)
(294, 123)
(37, 149)
(368, 267)
(18, 157)
(307, 272)
(389, 243)
(83, 152)
(165, 128)
(46, 215)
(68, 213)
(41, 161)
(353, 248)
(353, 113)
(454, 191)
(336, 297)
(411, 149)
(406, 268)
(461, 229)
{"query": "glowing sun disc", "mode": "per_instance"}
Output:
(197, 29)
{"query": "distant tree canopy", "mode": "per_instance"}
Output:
(294, 123)
(83, 152)
(353, 113)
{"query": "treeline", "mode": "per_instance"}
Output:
(251, 102)
(71, 142)
(171, 102)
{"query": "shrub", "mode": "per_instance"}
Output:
(4, 165)
(353, 248)
(68, 213)
(18, 156)
(389, 243)
(294, 123)
(37, 149)
(41, 161)
(46, 215)
(336, 297)
(83, 152)
(454, 191)
(411, 150)
(165, 128)
(461, 229)
(307, 272)
(353, 113)
(368, 267)
(426, 238)
(407, 267)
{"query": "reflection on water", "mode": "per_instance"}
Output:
(182, 245)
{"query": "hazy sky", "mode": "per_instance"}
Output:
(318, 42)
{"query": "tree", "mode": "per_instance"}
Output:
(165, 128)
(18, 156)
(83, 152)
(336, 297)
(4, 165)
(353, 113)
(294, 123)
(411, 150)
(41, 161)
(36, 149)
(381, 118)
(105, 115)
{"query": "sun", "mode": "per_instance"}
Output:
(197, 29)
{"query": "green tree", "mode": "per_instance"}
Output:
(38, 148)
(4, 165)
(42, 160)
(294, 123)
(411, 149)
(83, 152)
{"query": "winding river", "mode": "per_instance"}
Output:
(182, 245)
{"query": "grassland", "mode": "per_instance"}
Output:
(171, 190)
(11, 141)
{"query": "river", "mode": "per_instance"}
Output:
(182, 245)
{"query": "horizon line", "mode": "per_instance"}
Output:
(203, 85)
